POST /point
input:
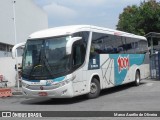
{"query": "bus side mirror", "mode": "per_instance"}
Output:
(15, 48)
(70, 43)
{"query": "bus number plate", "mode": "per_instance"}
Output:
(43, 94)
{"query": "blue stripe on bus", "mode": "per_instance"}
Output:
(134, 59)
(59, 79)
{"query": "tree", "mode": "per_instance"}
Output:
(140, 19)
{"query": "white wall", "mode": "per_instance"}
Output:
(7, 69)
(29, 18)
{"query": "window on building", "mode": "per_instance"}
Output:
(5, 50)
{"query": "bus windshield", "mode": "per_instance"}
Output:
(45, 58)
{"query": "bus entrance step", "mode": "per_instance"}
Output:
(5, 92)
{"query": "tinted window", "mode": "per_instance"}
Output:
(133, 45)
(113, 44)
(78, 54)
(130, 44)
(106, 44)
(79, 48)
(143, 46)
(84, 35)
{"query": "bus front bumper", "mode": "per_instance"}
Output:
(65, 91)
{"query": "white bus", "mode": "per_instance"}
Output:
(68, 61)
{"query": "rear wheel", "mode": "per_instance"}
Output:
(137, 78)
(94, 89)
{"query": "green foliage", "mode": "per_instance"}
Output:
(140, 19)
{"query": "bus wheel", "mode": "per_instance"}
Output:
(137, 78)
(94, 89)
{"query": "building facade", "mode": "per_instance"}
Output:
(28, 18)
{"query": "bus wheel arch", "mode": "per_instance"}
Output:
(137, 77)
(95, 87)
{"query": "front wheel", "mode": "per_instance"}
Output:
(137, 78)
(94, 89)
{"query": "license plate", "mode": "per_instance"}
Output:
(43, 94)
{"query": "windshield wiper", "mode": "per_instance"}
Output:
(47, 65)
(42, 62)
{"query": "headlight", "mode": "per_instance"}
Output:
(60, 84)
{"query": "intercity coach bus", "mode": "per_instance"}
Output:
(68, 61)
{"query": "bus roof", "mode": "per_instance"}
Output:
(67, 30)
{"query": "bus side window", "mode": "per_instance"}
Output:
(78, 54)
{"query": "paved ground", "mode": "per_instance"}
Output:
(145, 97)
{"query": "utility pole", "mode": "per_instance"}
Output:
(15, 39)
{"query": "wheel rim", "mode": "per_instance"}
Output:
(93, 88)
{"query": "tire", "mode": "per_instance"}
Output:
(137, 78)
(94, 89)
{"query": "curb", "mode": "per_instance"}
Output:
(15, 93)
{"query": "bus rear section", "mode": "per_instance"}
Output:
(118, 59)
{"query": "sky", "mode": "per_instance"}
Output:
(103, 13)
